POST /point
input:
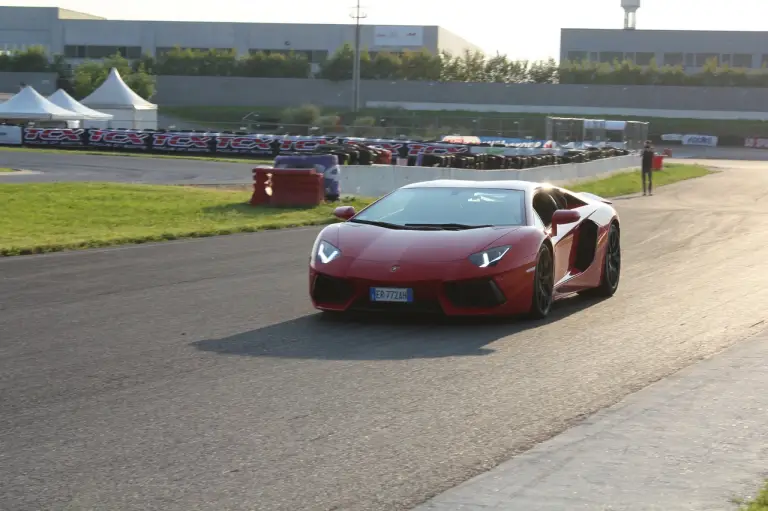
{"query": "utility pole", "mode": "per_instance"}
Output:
(357, 16)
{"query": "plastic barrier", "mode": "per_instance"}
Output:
(287, 187)
(372, 181)
(325, 164)
(658, 162)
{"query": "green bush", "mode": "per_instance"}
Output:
(33, 60)
(409, 65)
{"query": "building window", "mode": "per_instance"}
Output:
(690, 60)
(673, 59)
(643, 58)
(610, 56)
(101, 52)
(594, 56)
(318, 56)
(161, 51)
(630, 57)
(74, 52)
(741, 60)
(577, 56)
(703, 58)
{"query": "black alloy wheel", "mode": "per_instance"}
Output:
(543, 284)
(611, 267)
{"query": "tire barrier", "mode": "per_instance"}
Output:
(348, 150)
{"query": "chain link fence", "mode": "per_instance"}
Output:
(564, 130)
(416, 126)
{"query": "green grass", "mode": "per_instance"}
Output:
(488, 123)
(5, 169)
(135, 155)
(49, 217)
(760, 503)
(631, 182)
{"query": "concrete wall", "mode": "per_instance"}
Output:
(44, 83)
(375, 181)
(641, 101)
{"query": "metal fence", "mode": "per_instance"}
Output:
(564, 130)
(418, 126)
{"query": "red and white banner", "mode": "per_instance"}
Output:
(756, 143)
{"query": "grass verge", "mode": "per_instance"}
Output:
(5, 169)
(134, 155)
(760, 503)
(631, 182)
(50, 217)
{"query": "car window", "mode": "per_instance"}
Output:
(438, 205)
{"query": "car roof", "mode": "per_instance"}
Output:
(509, 184)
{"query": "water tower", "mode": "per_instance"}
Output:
(630, 13)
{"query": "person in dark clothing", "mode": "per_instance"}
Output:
(647, 168)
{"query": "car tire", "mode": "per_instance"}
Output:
(609, 282)
(543, 284)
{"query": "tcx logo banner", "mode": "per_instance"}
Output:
(117, 138)
(245, 143)
(181, 142)
(53, 136)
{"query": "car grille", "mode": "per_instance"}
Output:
(480, 293)
(327, 289)
(418, 306)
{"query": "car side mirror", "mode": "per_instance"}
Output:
(344, 212)
(564, 216)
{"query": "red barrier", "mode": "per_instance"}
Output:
(658, 162)
(287, 187)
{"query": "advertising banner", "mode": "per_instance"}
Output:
(10, 135)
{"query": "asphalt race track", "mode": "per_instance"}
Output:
(194, 375)
(58, 167)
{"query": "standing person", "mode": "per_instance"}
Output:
(647, 169)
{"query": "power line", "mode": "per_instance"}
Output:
(357, 16)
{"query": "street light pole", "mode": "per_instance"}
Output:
(357, 16)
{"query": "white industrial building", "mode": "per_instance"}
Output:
(81, 36)
(688, 48)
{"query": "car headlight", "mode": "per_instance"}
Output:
(490, 257)
(325, 252)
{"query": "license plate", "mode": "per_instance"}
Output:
(391, 294)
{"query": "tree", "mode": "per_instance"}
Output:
(274, 65)
(89, 75)
(32, 60)
(339, 66)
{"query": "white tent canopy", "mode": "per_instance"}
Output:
(30, 105)
(64, 100)
(129, 110)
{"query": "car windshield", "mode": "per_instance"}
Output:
(468, 207)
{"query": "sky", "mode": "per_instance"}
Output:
(529, 30)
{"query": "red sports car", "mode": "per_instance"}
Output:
(467, 248)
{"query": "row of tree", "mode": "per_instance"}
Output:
(409, 65)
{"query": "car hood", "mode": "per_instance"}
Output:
(372, 243)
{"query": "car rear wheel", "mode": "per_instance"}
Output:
(609, 283)
(543, 285)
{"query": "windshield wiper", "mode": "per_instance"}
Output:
(378, 224)
(446, 227)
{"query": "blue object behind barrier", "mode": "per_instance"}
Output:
(327, 164)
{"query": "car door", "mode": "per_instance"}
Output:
(563, 244)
